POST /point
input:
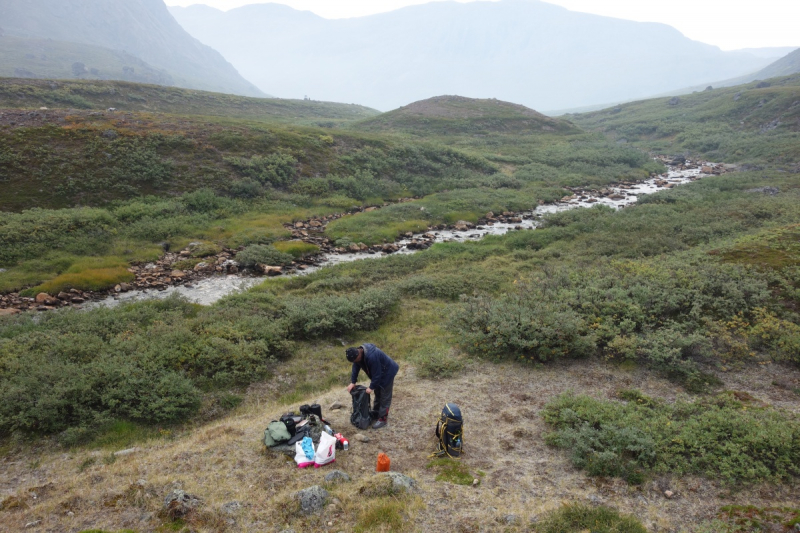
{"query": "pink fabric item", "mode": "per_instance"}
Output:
(317, 465)
(306, 465)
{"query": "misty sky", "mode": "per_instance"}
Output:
(729, 24)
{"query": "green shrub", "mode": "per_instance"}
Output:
(578, 518)
(718, 437)
(521, 327)
(275, 169)
(336, 315)
(262, 254)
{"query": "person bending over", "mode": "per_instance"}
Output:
(381, 370)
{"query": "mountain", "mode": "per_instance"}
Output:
(45, 58)
(785, 66)
(457, 115)
(141, 28)
(526, 51)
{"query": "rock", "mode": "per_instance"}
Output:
(335, 405)
(233, 269)
(674, 101)
(77, 300)
(122, 453)
(33, 524)
(312, 499)
(231, 507)
(200, 267)
(400, 482)
(337, 476)
(179, 503)
(177, 274)
(46, 299)
(511, 519)
(354, 248)
(669, 494)
(63, 296)
(315, 224)
(360, 437)
(9, 312)
(124, 287)
(476, 482)
(271, 271)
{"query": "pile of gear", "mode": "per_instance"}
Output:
(307, 436)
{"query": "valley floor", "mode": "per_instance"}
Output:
(223, 461)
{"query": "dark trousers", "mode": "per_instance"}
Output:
(382, 401)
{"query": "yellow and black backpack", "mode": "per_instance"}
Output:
(450, 432)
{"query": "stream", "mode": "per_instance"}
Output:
(209, 290)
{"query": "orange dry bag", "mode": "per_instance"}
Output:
(383, 463)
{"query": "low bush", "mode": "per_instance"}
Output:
(336, 315)
(717, 437)
(262, 254)
(578, 518)
(521, 327)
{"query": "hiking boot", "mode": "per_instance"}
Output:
(381, 423)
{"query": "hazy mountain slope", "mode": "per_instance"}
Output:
(27, 94)
(754, 123)
(46, 58)
(537, 54)
(785, 66)
(143, 28)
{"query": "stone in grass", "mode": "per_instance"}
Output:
(312, 499)
(337, 476)
(231, 507)
(179, 503)
(387, 484)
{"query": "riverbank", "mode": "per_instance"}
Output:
(206, 279)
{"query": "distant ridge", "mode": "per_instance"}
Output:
(142, 28)
(538, 54)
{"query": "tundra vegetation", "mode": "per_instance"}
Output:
(687, 285)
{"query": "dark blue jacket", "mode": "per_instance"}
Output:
(379, 367)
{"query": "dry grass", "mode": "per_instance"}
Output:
(223, 461)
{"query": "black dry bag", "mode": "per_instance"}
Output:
(360, 416)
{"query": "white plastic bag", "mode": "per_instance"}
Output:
(326, 450)
(300, 456)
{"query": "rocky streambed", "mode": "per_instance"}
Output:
(219, 274)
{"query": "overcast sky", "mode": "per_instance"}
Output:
(729, 24)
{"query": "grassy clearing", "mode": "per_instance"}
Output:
(297, 249)
(92, 279)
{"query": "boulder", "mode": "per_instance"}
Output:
(45, 299)
(271, 271)
(9, 312)
(179, 503)
(177, 274)
(312, 499)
